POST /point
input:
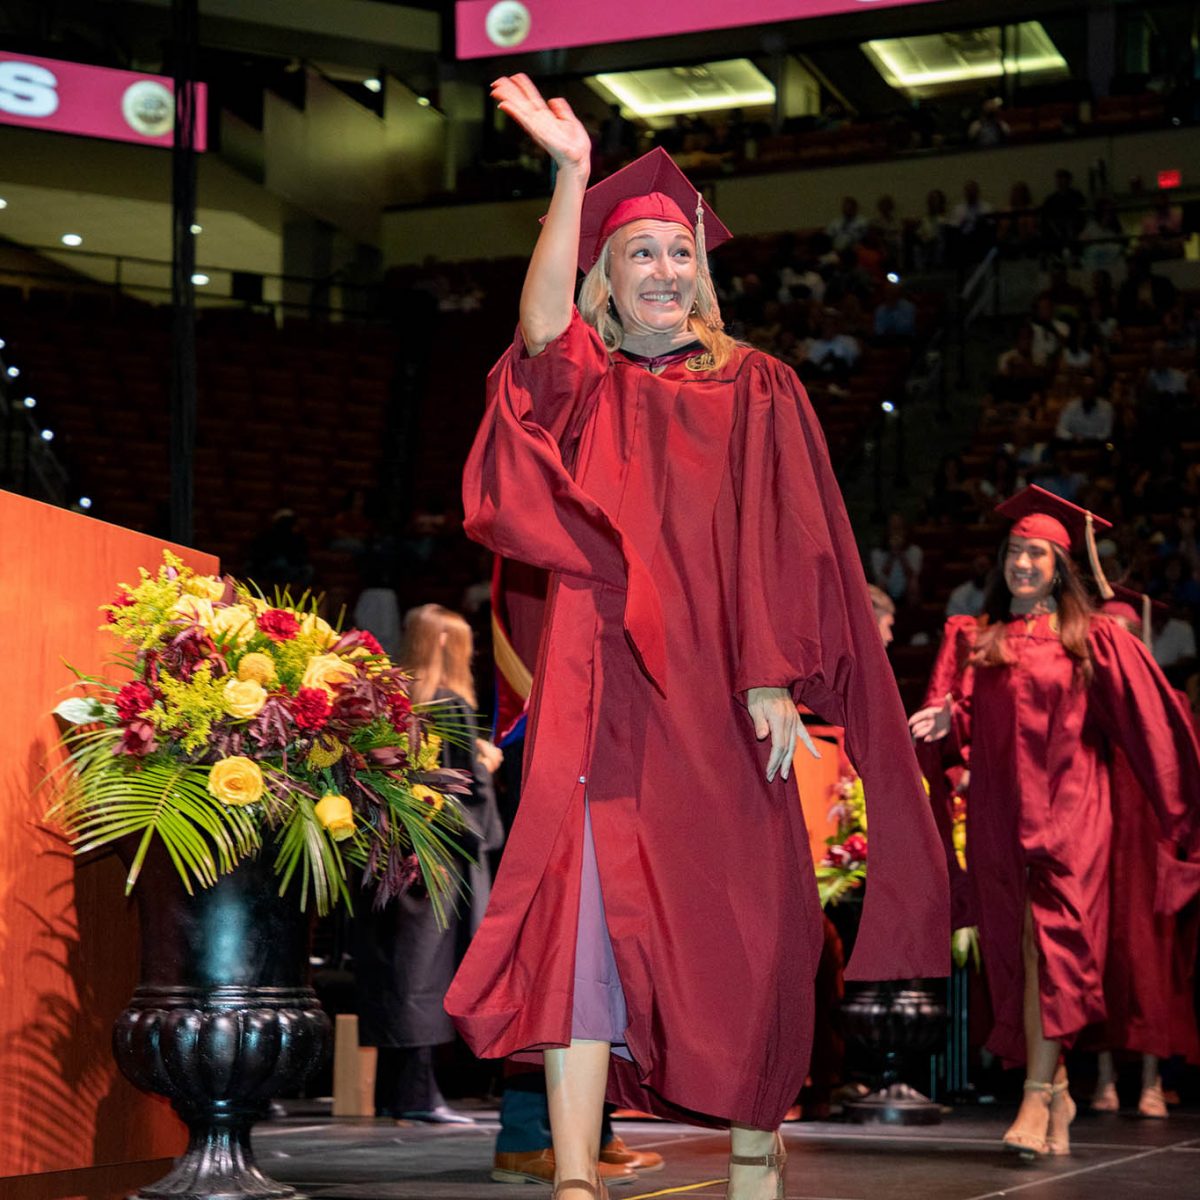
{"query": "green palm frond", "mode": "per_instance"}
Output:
(451, 725)
(305, 846)
(431, 834)
(834, 885)
(107, 798)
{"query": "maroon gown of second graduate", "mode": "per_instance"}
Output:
(698, 547)
(1039, 817)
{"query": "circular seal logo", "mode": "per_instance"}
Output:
(507, 23)
(148, 108)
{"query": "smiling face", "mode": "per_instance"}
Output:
(1029, 566)
(652, 272)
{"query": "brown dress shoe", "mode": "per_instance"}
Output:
(619, 1154)
(537, 1166)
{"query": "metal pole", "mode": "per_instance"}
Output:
(183, 266)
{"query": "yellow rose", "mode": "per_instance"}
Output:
(236, 781)
(259, 667)
(235, 622)
(258, 604)
(326, 671)
(207, 587)
(335, 814)
(314, 626)
(193, 608)
(435, 800)
(244, 698)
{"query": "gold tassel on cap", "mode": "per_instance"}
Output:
(1102, 584)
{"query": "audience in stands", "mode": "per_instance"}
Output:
(895, 315)
(1062, 214)
(848, 228)
(970, 219)
(932, 234)
(967, 599)
(1086, 419)
(989, 128)
(896, 565)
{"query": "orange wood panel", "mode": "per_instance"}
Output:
(815, 779)
(68, 937)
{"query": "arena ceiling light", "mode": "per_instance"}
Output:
(945, 62)
(706, 87)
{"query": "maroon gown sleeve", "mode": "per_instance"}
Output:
(803, 620)
(950, 677)
(1137, 708)
(520, 498)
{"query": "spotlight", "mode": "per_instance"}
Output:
(47, 435)
(197, 229)
(72, 239)
(373, 85)
(424, 101)
(892, 277)
(3, 203)
(85, 502)
(30, 402)
(888, 406)
(13, 372)
(200, 279)
(3, 343)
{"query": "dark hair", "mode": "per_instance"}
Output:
(1074, 616)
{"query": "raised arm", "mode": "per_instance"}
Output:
(549, 291)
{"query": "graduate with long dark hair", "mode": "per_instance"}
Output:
(1043, 686)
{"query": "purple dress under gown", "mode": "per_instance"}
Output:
(598, 1013)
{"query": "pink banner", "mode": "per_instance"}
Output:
(67, 97)
(490, 27)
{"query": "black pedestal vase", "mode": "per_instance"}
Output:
(222, 1020)
(893, 1021)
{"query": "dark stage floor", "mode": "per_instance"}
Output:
(1115, 1157)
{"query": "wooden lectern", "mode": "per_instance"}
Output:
(70, 1124)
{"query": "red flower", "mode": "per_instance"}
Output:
(120, 600)
(133, 700)
(137, 740)
(369, 641)
(310, 709)
(278, 624)
(856, 846)
(399, 711)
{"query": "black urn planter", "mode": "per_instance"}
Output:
(893, 1021)
(222, 1020)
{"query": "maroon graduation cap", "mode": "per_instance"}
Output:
(1137, 609)
(1037, 513)
(651, 187)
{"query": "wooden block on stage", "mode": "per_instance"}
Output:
(353, 1070)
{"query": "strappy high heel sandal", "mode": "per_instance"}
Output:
(1105, 1099)
(777, 1162)
(1029, 1146)
(1058, 1130)
(593, 1189)
(1153, 1103)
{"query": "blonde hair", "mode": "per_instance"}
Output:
(438, 648)
(595, 294)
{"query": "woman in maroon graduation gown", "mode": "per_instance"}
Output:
(1149, 972)
(1051, 685)
(655, 925)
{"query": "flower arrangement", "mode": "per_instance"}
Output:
(965, 949)
(844, 866)
(251, 727)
